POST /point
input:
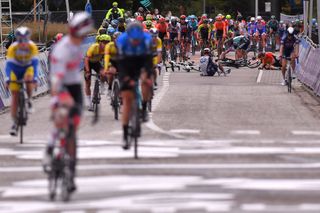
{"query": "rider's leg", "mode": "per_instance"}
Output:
(263, 37)
(145, 89)
(283, 69)
(87, 78)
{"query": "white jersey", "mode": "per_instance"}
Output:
(65, 61)
(204, 61)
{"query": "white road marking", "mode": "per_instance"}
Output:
(239, 166)
(309, 207)
(253, 207)
(246, 132)
(306, 133)
(265, 184)
(187, 131)
(116, 132)
(260, 76)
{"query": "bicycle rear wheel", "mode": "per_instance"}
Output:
(116, 101)
(253, 63)
(289, 80)
(21, 115)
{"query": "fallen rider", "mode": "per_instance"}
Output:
(208, 67)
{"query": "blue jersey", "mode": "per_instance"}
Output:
(251, 28)
(193, 25)
(261, 27)
(125, 48)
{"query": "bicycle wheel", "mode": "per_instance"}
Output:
(53, 179)
(164, 56)
(116, 101)
(21, 114)
(96, 100)
(65, 184)
(193, 46)
(253, 63)
(289, 80)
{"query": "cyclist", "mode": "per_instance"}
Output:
(174, 32)
(204, 31)
(21, 64)
(157, 49)
(114, 12)
(208, 67)
(193, 26)
(260, 32)
(135, 51)
(288, 49)
(122, 25)
(221, 33)
(109, 61)
(273, 27)
(240, 44)
(162, 28)
(185, 36)
(252, 29)
(229, 23)
(92, 61)
(65, 62)
(149, 25)
(269, 61)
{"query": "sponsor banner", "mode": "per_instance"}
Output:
(311, 74)
(85, 46)
(287, 18)
(304, 50)
(43, 80)
(317, 85)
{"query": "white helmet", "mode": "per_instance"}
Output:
(252, 19)
(259, 18)
(290, 30)
(22, 34)
(81, 24)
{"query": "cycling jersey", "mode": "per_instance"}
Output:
(184, 28)
(122, 28)
(288, 43)
(193, 25)
(273, 24)
(269, 58)
(174, 29)
(22, 56)
(220, 25)
(65, 61)
(204, 30)
(110, 53)
(156, 48)
(95, 53)
(162, 28)
(125, 47)
(261, 27)
(251, 28)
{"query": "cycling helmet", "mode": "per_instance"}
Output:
(174, 21)
(104, 38)
(136, 14)
(105, 23)
(290, 30)
(314, 21)
(23, 34)
(58, 37)
(121, 20)
(281, 22)
(273, 17)
(204, 16)
(148, 24)
(141, 10)
(218, 18)
(210, 20)
(114, 23)
(102, 31)
(205, 21)
(167, 19)
(228, 17)
(81, 24)
(259, 18)
(162, 20)
(154, 32)
(111, 31)
(115, 4)
(193, 17)
(183, 17)
(116, 35)
(252, 19)
(97, 38)
(140, 18)
(149, 17)
(206, 50)
(135, 31)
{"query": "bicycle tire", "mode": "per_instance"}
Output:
(52, 179)
(253, 63)
(21, 115)
(289, 80)
(116, 104)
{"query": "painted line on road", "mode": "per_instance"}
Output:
(187, 131)
(245, 166)
(260, 76)
(253, 207)
(246, 132)
(305, 133)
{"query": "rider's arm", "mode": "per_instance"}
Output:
(57, 70)
(109, 14)
(107, 58)
(120, 13)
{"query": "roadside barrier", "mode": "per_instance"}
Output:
(43, 79)
(308, 69)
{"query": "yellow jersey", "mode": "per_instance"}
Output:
(110, 53)
(95, 53)
(22, 55)
(157, 49)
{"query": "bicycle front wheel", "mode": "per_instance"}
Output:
(253, 63)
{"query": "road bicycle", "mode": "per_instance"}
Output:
(22, 113)
(289, 77)
(193, 43)
(115, 97)
(61, 174)
(96, 98)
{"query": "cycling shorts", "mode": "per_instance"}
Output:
(287, 52)
(75, 91)
(97, 66)
(219, 34)
(260, 32)
(173, 36)
(130, 69)
(162, 35)
(186, 37)
(16, 73)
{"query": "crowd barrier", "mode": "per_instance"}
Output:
(308, 69)
(43, 79)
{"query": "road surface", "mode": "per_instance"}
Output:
(214, 144)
